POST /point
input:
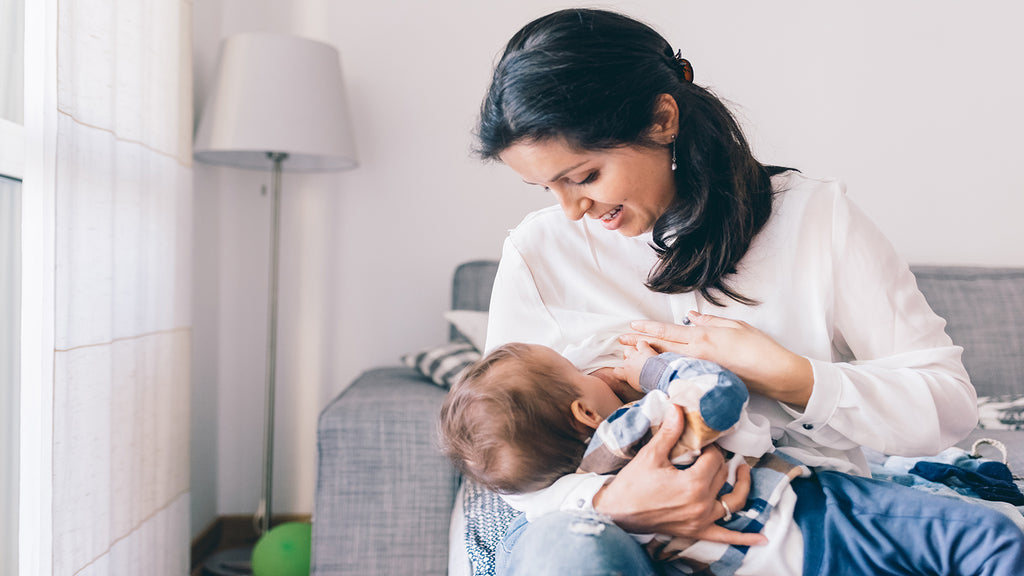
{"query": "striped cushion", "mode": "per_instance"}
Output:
(443, 364)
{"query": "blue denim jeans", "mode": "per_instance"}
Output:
(570, 544)
(854, 525)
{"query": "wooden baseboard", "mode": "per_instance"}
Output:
(205, 544)
(232, 532)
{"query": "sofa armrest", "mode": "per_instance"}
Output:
(384, 492)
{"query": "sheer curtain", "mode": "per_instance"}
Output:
(122, 305)
(12, 59)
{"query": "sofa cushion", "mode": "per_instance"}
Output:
(384, 491)
(984, 312)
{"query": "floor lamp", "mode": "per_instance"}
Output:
(277, 103)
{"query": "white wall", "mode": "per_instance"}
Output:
(206, 30)
(915, 106)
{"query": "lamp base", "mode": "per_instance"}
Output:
(231, 562)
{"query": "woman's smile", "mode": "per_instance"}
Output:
(611, 219)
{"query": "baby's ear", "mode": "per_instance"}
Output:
(584, 415)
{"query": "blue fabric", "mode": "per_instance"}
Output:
(898, 469)
(987, 479)
(720, 407)
(487, 517)
(854, 525)
(955, 472)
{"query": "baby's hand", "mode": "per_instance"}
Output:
(633, 363)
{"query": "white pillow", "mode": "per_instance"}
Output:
(470, 323)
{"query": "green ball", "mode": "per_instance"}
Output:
(283, 551)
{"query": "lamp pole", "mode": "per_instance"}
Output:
(283, 93)
(265, 506)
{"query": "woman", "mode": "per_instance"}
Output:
(665, 214)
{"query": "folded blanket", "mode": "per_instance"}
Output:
(982, 478)
(955, 473)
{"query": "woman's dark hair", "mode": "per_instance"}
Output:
(593, 77)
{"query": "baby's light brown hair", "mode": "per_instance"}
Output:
(508, 423)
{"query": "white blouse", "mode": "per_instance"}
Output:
(831, 288)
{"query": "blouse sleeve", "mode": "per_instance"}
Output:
(517, 312)
(903, 389)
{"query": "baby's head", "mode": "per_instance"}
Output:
(519, 419)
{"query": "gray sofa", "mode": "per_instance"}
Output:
(384, 494)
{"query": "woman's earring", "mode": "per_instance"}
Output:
(674, 166)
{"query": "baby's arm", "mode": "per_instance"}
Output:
(633, 364)
(713, 399)
(711, 396)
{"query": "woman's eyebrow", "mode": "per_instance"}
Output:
(559, 175)
(566, 171)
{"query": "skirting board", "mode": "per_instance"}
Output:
(231, 532)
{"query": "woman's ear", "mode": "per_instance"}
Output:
(584, 415)
(666, 120)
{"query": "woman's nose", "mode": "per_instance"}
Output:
(574, 205)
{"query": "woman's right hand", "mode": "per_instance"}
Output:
(764, 365)
(650, 495)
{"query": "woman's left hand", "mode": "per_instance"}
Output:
(764, 365)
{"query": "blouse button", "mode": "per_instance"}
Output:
(808, 426)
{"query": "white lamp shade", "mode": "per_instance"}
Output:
(277, 93)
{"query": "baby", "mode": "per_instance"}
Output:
(524, 416)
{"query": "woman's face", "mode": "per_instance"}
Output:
(627, 189)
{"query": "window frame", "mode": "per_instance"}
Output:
(12, 166)
(38, 143)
